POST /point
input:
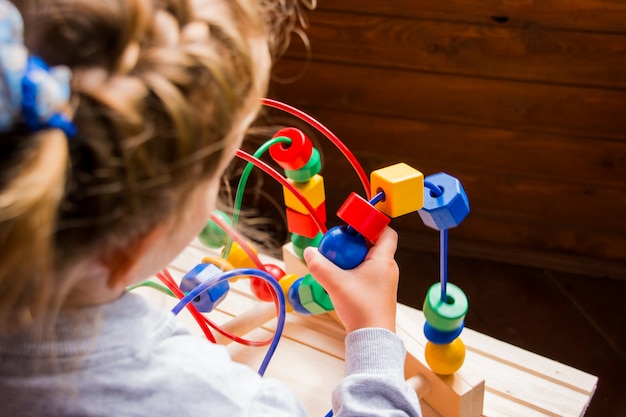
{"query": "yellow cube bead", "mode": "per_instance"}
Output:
(285, 283)
(312, 190)
(403, 187)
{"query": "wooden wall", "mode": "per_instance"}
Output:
(523, 101)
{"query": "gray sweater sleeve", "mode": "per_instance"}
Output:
(374, 384)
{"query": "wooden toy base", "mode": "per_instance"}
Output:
(497, 379)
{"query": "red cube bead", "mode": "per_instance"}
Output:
(303, 224)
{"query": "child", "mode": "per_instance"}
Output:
(107, 177)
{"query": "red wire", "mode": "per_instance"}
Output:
(203, 321)
(278, 177)
(239, 239)
(236, 338)
(167, 279)
(326, 132)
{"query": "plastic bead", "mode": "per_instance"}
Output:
(297, 154)
(293, 297)
(363, 217)
(207, 300)
(300, 243)
(313, 296)
(445, 316)
(238, 258)
(261, 289)
(308, 171)
(212, 235)
(403, 187)
(445, 359)
(221, 263)
(441, 338)
(285, 283)
(313, 191)
(303, 224)
(344, 248)
(447, 210)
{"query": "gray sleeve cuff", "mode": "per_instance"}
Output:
(375, 351)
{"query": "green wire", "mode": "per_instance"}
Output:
(154, 285)
(242, 184)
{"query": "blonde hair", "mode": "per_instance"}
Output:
(158, 86)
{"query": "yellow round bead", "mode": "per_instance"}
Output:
(445, 359)
(238, 258)
(285, 283)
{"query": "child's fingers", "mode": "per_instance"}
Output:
(385, 246)
(322, 269)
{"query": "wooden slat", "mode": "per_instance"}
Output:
(525, 53)
(455, 99)
(592, 15)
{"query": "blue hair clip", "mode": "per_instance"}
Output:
(30, 90)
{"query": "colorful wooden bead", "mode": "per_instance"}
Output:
(300, 243)
(448, 209)
(261, 289)
(345, 248)
(445, 315)
(363, 217)
(439, 337)
(403, 187)
(445, 359)
(308, 171)
(207, 300)
(294, 298)
(212, 235)
(313, 296)
(285, 283)
(303, 224)
(238, 258)
(295, 155)
(312, 191)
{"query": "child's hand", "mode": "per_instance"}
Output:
(364, 296)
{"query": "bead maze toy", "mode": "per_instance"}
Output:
(435, 352)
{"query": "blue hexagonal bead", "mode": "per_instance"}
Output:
(210, 298)
(448, 209)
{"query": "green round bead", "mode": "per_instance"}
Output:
(212, 235)
(300, 243)
(308, 171)
(445, 315)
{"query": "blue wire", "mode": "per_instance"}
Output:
(434, 189)
(443, 262)
(377, 198)
(244, 272)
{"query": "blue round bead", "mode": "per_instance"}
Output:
(293, 295)
(343, 247)
(447, 210)
(439, 337)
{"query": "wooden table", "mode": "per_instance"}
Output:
(497, 379)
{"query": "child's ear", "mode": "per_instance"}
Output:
(123, 262)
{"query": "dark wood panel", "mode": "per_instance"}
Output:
(553, 158)
(474, 101)
(593, 15)
(517, 199)
(537, 54)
